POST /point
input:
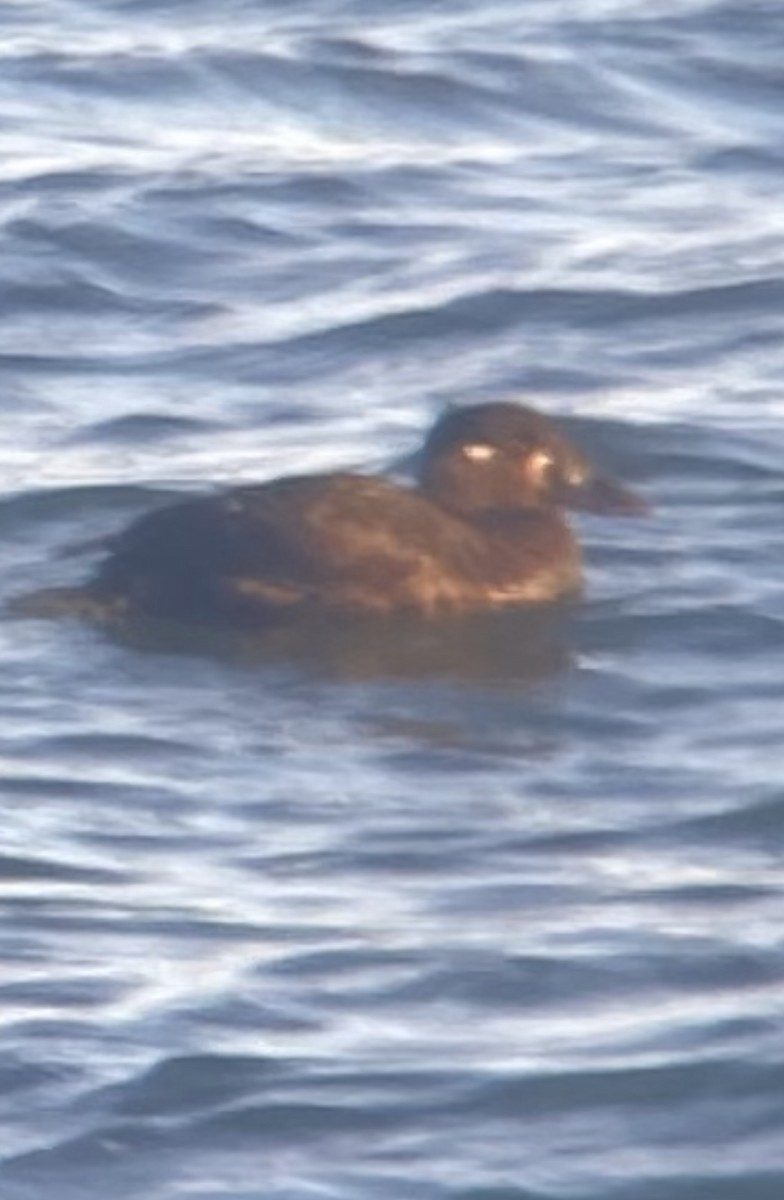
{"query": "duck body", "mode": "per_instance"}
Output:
(482, 528)
(334, 543)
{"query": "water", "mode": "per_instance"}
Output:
(405, 915)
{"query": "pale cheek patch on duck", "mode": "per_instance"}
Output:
(536, 467)
(478, 452)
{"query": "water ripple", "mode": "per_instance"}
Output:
(485, 913)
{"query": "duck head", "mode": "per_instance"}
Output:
(505, 456)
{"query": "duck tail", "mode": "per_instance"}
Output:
(54, 602)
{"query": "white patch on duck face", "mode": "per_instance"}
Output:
(478, 452)
(537, 468)
(539, 461)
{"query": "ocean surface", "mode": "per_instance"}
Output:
(469, 912)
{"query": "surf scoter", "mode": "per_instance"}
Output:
(481, 529)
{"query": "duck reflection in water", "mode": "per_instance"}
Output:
(359, 557)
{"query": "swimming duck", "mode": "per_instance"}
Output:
(482, 528)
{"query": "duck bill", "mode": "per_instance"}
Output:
(600, 495)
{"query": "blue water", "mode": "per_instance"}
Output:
(448, 915)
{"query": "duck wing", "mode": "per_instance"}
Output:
(348, 542)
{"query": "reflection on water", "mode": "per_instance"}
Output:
(516, 647)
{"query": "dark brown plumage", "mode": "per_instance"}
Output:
(482, 529)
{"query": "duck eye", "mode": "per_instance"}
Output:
(478, 452)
